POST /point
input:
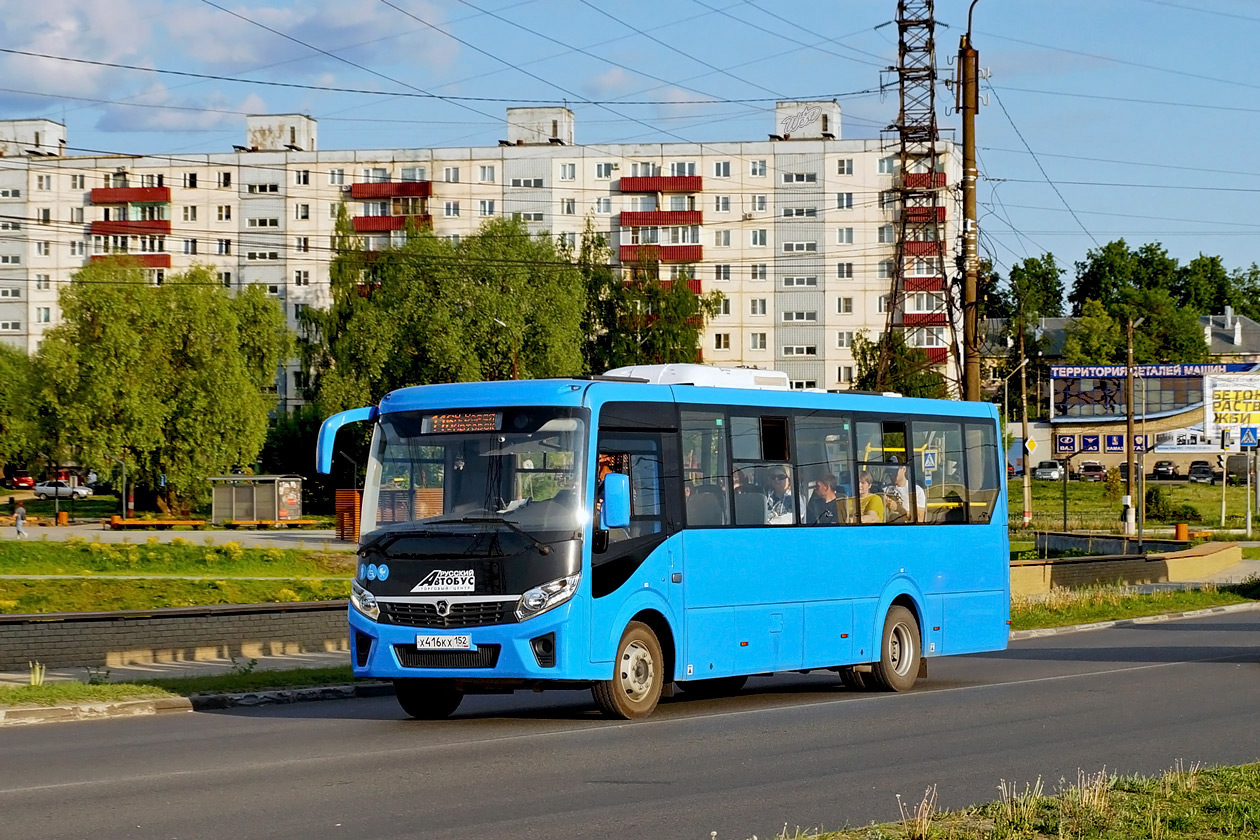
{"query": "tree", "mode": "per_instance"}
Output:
(909, 371)
(636, 318)
(1204, 286)
(1108, 274)
(18, 428)
(1170, 333)
(169, 379)
(1094, 338)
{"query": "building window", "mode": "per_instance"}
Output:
(301, 278)
(301, 211)
(800, 177)
(43, 182)
(190, 214)
(14, 193)
(844, 201)
(303, 244)
(412, 174)
(887, 235)
(78, 249)
(225, 212)
(43, 315)
(451, 209)
(9, 224)
(263, 255)
(527, 182)
(757, 306)
(844, 374)
(793, 247)
(15, 293)
(153, 244)
(78, 182)
(757, 341)
(42, 282)
(721, 203)
(725, 306)
(10, 259)
(568, 206)
(10, 326)
(604, 171)
(844, 306)
(885, 271)
(722, 341)
(799, 282)
(224, 179)
(759, 203)
(844, 339)
(44, 215)
(757, 168)
(844, 236)
(603, 205)
(225, 277)
(256, 189)
(568, 240)
(759, 271)
(451, 174)
(888, 200)
(43, 248)
(224, 247)
(800, 350)
(336, 177)
(722, 272)
(883, 304)
(298, 310)
(888, 165)
(529, 217)
(721, 238)
(190, 246)
(797, 212)
(302, 177)
(800, 316)
(485, 174)
(758, 238)
(190, 180)
(268, 222)
(485, 207)
(568, 171)
(682, 168)
(844, 166)
(721, 169)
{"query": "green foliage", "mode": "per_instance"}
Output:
(1094, 337)
(170, 379)
(1160, 508)
(638, 319)
(909, 371)
(18, 425)
(290, 450)
(499, 304)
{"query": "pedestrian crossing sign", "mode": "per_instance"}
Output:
(1247, 436)
(929, 460)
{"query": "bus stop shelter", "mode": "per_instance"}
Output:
(256, 500)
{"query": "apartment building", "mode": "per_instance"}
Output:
(798, 231)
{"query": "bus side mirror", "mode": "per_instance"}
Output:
(615, 511)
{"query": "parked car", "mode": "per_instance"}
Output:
(21, 480)
(1091, 471)
(1165, 469)
(1200, 472)
(1048, 471)
(61, 490)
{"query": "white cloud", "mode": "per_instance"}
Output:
(189, 113)
(608, 84)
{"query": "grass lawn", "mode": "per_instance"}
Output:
(1089, 508)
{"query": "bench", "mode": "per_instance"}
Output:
(267, 523)
(117, 523)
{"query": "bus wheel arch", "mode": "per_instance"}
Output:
(900, 649)
(642, 667)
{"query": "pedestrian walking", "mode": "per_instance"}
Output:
(19, 520)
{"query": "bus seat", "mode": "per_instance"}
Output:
(704, 510)
(750, 508)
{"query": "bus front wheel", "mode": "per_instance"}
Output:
(428, 699)
(638, 676)
(898, 665)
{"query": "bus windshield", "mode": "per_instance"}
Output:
(519, 466)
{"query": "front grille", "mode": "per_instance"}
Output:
(362, 648)
(462, 614)
(486, 656)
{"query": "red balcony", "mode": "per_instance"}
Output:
(923, 249)
(925, 319)
(129, 195)
(693, 283)
(924, 284)
(379, 224)
(392, 189)
(131, 228)
(937, 355)
(662, 184)
(925, 214)
(145, 260)
(925, 180)
(662, 218)
(630, 254)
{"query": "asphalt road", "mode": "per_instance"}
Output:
(795, 750)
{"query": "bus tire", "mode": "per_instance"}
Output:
(898, 665)
(716, 687)
(853, 679)
(432, 699)
(638, 676)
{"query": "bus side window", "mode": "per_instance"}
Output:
(938, 453)
(983, 483)
(707, 490)
(824, 451)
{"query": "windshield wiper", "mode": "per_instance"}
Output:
(542, 547)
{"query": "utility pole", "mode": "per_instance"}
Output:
(1129, 484)
(1023, 390)
(968, 104)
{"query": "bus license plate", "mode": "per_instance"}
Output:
(460, 642)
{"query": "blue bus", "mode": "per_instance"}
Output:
(675, 526)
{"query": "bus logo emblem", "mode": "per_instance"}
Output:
(444, 580)
(443, 608)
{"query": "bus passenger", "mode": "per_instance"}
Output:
(780, 506)
(871, 505)
(824, 506)
(897, 496)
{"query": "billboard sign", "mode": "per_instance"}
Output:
(1230, 402)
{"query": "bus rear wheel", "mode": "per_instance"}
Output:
(898, 665)
(428, 699)
(853, 679)
(638, 676)
(716, 687)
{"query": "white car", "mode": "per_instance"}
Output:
(1048, 471)
(61, 490)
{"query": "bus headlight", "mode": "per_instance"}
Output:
(364, 601)
(545, 597)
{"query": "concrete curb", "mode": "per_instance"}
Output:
(1149, 619)
(21, 715)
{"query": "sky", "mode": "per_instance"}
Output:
(1101, 119)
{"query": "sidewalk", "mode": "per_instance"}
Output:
(322, 539)
(168, 670)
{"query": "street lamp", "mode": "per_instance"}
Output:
(1129, 527)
